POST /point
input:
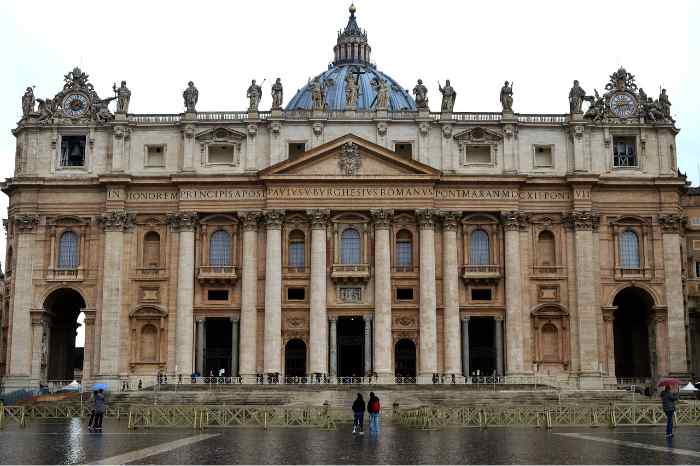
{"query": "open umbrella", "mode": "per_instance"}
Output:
(668, 381)
(74, 386)
(98, 386)
(690, 387)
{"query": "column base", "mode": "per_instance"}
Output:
(590, 381)
(383, 378)
(113, 382)
(19, 382)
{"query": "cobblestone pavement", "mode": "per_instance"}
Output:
(70, 443)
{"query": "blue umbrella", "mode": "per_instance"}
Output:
(98, 386)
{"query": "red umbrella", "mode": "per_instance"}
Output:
(668, 381)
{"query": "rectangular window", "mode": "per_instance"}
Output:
(296, 149)
(404, 149)
(155, 156)
(220, 155)
(73, 151)
(481, 294)
(296, 294)
(543, 156)
(477, 155)
(625, 152)
(404, 294)
(217, 295)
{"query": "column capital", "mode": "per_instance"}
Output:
(39, 316)
(465, 318)
(273, 219)
(332, 319)
(608, 313)
(182, 221)
(498, 318)
(660, 313)
(381, 217)
(450, 219)
(235, 319)
(318, 218)
(26, 223)
(672, 223)
(514, 220)
(426, 218)
(368, 318)
(250, 219)
(118, 220)
(582, 220)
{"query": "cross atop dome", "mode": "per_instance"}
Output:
(352, 46)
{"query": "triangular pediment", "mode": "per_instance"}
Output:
(349, 157)
(220, 134)
(478, 135)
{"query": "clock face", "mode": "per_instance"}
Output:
(623, 104)
(75, 105)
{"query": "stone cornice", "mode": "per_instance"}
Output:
(182, 221)
(381, 217)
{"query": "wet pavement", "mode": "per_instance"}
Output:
(67, 442)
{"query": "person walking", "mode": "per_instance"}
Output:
(668, 403)
(99, 409)
(358, 410)
(91, 421)
(373, 408)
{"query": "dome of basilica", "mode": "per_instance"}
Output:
(352, 59)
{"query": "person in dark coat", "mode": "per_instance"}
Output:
(668, 403)
(91, 421)
(373, 408)
(358, 410)
(99, 409)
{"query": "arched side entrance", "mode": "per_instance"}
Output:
(634, 334)
(295, 358)
(405, 358)
(63, 307)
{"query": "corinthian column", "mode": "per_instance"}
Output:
(21, 330)
(273, 292)
(249, 299)
(677, 355)
(114, 224)
(382, 293)
(427, 313)
(512, 222)
(450, 288)
(318, 319)
(185, 223)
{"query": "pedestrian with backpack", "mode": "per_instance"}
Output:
(373, 407)
(358, 410)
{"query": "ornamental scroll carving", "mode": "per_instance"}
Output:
(182, 221)
(26, 222)
(582, 220)
(349, 159)
(426, 218)
(273, 219)
(381, 217)
(514, 220)
(249, 219)
(318, 218)
(117, 220)
(449, 219)
(672, 223)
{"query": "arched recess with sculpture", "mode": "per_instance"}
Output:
(635, 331)
(147, 341)
(550, 330)
(54, 330)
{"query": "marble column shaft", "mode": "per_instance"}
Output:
(184, 335)
(36, 345)
(201, 343)
(368, 344)
(382, 294)
(249, 285)
(498, 341)
(272, 350)
(89, 348)
(662, 356)
(586, 299)
(318, 317)
(450, 283)
(465, 346)
(112, 292)
(514, 335)
(427, 310)
(333, 347)
(676, 347)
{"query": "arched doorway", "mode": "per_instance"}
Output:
(295, 358)
(405, 358)
(64, 306)
(634, 334)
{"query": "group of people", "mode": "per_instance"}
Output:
(373, 407)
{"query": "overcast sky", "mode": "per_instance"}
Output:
(540, 45)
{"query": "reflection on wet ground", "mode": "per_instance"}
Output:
(69, 443)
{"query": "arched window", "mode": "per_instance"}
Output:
(550, 343)
(149, 343)
(404, 249)
(151, 250)
(296, 254)
(629, 250)
(479, 249)
(546, 251)
(220, 249)
(350, 246)
(68, 250)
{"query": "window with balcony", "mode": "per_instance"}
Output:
(625, 152)
(296, 252)
(220, 249)
(68, 253)
(479, 248)
(629, 250)
(350, 251)
(404, 251)
(151, 250)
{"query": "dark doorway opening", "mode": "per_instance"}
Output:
(633, 331)
(295, 358)
(218, 349)
(64, 361)
(405, 358)
(482, 346)
(351, 333)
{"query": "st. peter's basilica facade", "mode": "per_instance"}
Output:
(352, 233)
